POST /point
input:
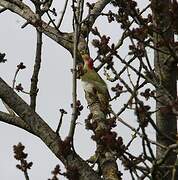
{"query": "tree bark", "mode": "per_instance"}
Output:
(165, 69)
(33, 123)
(106, 158)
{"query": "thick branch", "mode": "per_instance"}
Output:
(166, 72)
(106, 159)
(18, 7)
(45, 133)
(93, 15)
(64, 39)
(15, 120)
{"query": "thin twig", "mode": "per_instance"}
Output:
(135, 130)
(74, 75)
(11, 112)
(117, 46)
(62, 15)
(52, 21)
(26, 175)
(141, 104)
(37, 65)
(148, 143)
(14, 79)
(133, 137)
(60, 121)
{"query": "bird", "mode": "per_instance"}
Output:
(94, 84)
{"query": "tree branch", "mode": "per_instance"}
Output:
(93, 15)
(37, 65)
(34, 79)
(41, 129)
(74, 73)
(15, 121)
(63, 13)
(18, 7)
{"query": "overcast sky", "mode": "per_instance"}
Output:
(55, 93)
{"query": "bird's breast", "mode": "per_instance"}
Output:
(87, 86)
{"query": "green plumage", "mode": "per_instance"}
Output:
(94, 78)
(94, 84)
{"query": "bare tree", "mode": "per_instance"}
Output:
(142, 78)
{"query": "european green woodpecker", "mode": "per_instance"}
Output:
(94, 84)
